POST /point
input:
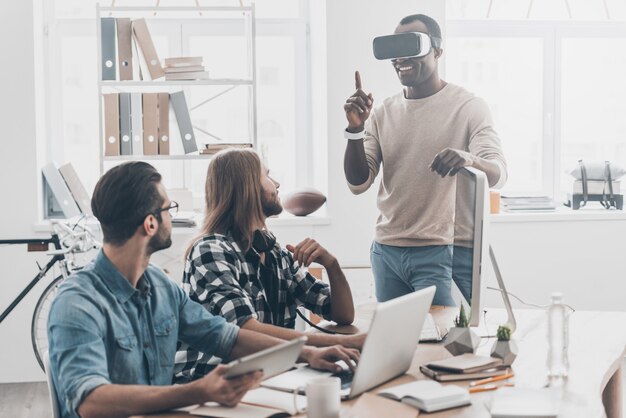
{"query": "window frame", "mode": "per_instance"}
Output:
(552, 33)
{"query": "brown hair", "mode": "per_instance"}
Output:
(123, 197)
(233, 196)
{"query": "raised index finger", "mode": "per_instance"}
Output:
(357, 80)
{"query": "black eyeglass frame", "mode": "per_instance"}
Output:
(157, 214)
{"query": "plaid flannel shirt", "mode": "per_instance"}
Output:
(227, 282)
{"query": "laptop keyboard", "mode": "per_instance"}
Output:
(346, 378)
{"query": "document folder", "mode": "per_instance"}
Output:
(124, 48)
(140, 29)
(125, 138)
(179, 104)
(136, 123)
(111, 124)
(164, 123)
(76, 187)
(108, 48)
(60, 190)
(150, 123)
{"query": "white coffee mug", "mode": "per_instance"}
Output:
(323, 397)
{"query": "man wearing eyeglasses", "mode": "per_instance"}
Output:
(431, 128)
(113, 326)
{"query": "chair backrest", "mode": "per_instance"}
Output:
(54, 402)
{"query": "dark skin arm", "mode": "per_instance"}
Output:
(357, 108)
(449, 161)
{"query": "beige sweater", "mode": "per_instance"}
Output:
(404, 135)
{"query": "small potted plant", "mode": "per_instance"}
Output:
(461, 339)
(504, 348)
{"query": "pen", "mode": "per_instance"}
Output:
(491, 379)
(487, 388)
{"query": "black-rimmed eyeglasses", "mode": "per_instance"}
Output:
(172, 209)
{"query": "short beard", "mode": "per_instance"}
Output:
(270, 207)
(159, 241)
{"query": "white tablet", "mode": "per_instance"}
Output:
(271, 361)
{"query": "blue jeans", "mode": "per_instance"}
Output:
(402, 270)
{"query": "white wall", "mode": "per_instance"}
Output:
(584, 259)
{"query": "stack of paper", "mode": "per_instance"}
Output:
(528, 203)
(464, 367)
(185, 68)
(428, 396)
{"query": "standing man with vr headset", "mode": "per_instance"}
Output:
(424, 134)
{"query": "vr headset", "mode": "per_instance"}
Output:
(404, 45)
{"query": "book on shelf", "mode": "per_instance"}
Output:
(428, 396)
(211, 149)
(136, 123)
(184, 69)
(192, 75)
(257, 403)
(181, 61)
(527, 203)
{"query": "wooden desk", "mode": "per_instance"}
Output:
(596, 351)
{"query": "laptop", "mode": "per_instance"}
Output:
(399, 321)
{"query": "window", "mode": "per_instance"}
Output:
(282, 54)
(552, 81)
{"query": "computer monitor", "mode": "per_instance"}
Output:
(471, 243)
(470, 238)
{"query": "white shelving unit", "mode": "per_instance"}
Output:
(181, 15)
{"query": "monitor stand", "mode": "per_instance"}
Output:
(511, 323)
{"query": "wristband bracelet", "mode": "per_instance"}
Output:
(354, 135)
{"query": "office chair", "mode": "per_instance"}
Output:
(54, 402)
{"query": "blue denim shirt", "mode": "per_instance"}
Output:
(102, 330)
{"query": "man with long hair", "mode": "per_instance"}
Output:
(114, 325)
(237, 270)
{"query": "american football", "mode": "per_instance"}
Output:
(303, 201)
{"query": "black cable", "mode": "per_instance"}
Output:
(327, 331)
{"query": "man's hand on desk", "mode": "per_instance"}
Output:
(352, 341)
(325, 358)
(217, 388)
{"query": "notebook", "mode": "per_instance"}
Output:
(428, 396)
(465, 363)
(451, 377)
(525, 403)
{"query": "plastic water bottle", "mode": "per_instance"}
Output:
(558, 339)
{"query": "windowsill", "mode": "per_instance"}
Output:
(562, 214)
(284, 220)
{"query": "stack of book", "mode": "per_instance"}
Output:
(428, 396)
(211, 149)
(464, 367)
(185, 68)
(528, 203)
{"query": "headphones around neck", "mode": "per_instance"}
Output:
(263, 240)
